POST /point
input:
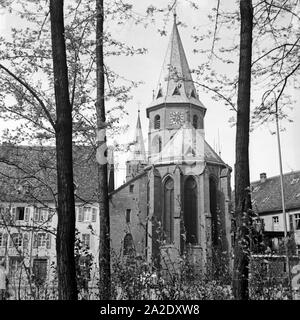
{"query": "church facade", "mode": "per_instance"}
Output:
(176, 198)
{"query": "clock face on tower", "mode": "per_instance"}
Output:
(176, 118)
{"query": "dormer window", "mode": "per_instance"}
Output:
(159, 94)
(157, 122)
(193, 95)
(176, 92)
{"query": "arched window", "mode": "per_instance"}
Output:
(195, 121)
(213, 210)
(157, 122)
(128, 246)
(156, 144)
(190, 210)
(168, 214)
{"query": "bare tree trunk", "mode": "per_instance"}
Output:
(242, 179)
(67, 288)
(104, 244)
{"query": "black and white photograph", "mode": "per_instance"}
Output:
(149, 151)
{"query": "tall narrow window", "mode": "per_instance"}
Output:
(195, 121)
(156, 144)
(157, 122)
(214, 211)
(190, 210)
(297, 221)
(168, 217)
(128, 212)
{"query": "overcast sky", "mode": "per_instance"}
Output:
(263, 145)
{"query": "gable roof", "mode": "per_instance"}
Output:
(28, 173)
(266, 196)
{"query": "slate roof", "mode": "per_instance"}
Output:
(28, 174)
(175, 67)
(266, 196)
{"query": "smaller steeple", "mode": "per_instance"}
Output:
(138, 151)
(137, 159)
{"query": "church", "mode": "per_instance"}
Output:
(176, 201)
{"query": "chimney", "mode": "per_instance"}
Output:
(263, 177)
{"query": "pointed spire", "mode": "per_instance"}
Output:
(138, 151)
(175, 83)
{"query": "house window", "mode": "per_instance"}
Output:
(86, 239)
(275, 221)
(128, 211)
(15, 265)
(3, 239)
(40, 270)
(20, 213)
(15, 240)
(43, 215)
(94, 215)
(297, 221)
(87, 213)
(42, 239)
(131, 187)
(157, 122)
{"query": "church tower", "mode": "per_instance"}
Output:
(189, 184)
(175, 101)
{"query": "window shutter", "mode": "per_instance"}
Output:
(88, 237)
(94, 215)
(80, 214)
(27, 214)
(13, 214)
(11, 240)
(36, 214)
(25, 240)
(48, 244)
(4, 240)
(35, 243)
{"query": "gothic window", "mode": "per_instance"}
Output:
(193, 95)
(214, 211)
(168, 216)
(128, 246)
(195, 121)
(157, 122)
(190, 210)
(156, 144)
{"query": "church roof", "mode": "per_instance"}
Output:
(175, 83)
(188, 144)
(138, 152)
(266, 195)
